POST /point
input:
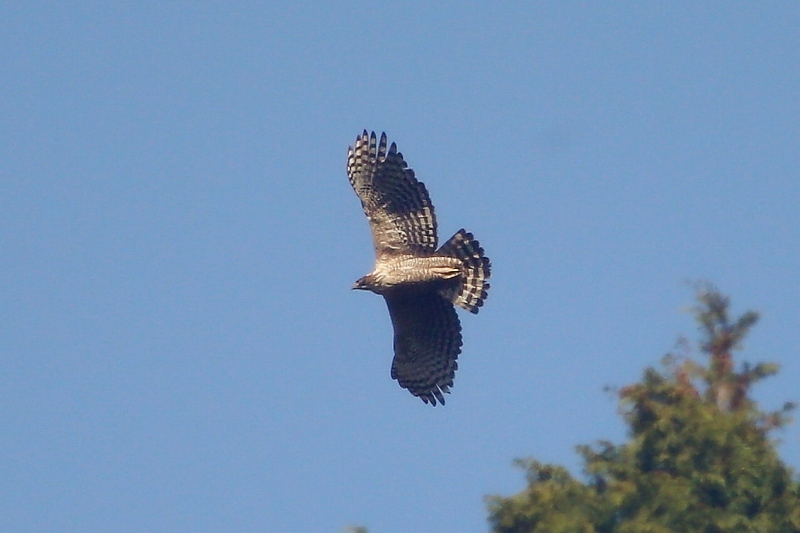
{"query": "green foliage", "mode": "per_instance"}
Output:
(698, 458)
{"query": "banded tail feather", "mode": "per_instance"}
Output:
(471, 290)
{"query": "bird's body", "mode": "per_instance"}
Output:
(420, 283)
(407, 270)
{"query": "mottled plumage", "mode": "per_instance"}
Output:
(419, 283)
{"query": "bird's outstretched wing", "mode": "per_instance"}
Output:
(397, 206)
(427, 341)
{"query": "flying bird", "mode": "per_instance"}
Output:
(420, 283)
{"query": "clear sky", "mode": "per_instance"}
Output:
(180, 349)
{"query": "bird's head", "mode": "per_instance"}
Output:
(364, 283)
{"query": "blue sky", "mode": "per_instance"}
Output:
(179, 346)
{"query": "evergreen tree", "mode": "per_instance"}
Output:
(699, 457)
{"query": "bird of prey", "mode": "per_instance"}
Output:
(420, 283)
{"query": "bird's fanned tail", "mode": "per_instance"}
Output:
(471, 291)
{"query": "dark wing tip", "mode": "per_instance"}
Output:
(434, 396)
(381, 147)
